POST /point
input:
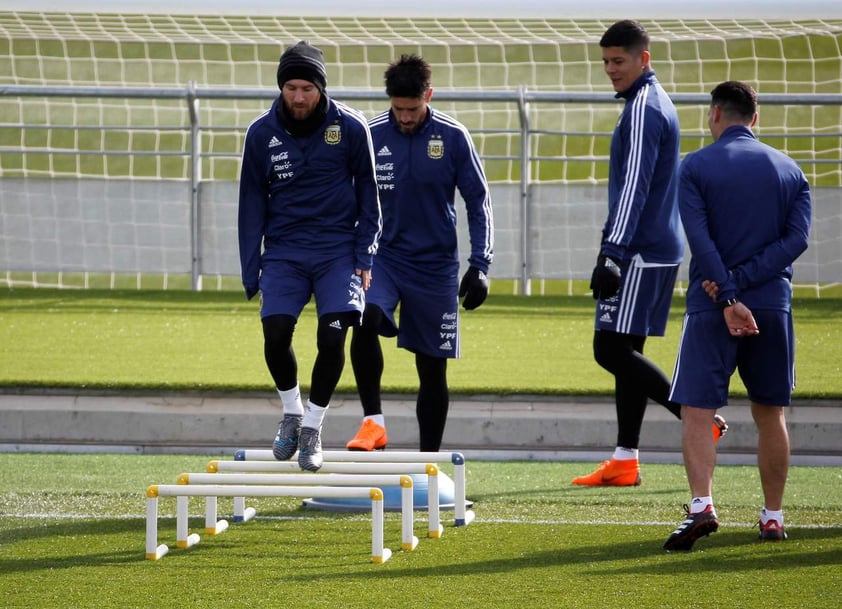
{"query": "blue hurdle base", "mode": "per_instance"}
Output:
(392, 497)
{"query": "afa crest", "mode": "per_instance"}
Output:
(435, 149)
(333, 135)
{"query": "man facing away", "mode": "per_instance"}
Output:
(422, 157)
(746, 209)
(309, 221)
(641, 247)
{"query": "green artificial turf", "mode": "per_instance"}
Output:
(200, 341)
(72, 533)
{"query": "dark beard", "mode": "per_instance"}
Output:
(307, 126)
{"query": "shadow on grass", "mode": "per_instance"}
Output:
(564, 489)
(84, 543)
(84, 537)
(81, 527)
(74, 536)
(724, 553)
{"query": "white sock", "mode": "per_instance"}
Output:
(767, 515)
(377, 418)
(291, 400)
(699, 504)
(625, 454)
(313, 415)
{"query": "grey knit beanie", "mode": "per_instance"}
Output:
(303, 61)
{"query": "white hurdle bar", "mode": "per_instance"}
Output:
(242, 514)
(462, 516)
(408, 540)
(379, 554)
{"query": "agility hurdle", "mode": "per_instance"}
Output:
(462, 516)
(379, 554)
(408, 540)
(243, 514)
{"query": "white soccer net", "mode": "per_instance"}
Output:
(149, 139)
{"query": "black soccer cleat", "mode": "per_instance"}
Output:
(694, 526)
(771, 531)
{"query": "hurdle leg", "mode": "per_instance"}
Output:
(153, 550)
(409, 540)
(241, 512)
(379, 553)
(436, 530)
(212, 525)
(462, 517)
(183, 539)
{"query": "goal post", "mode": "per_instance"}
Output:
(129, 159)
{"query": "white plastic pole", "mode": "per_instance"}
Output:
(462, 516)
(183, 538)
(153, 550)
(408, 539)
(436, 530)
(379, 553)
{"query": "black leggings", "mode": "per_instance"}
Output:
(367, 360)
(330, 359)
(433, 395)
(636, 379)
(433, 400)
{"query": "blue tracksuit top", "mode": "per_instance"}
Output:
(308, 197)
(418, 175)
(746, 210)
(643, 178)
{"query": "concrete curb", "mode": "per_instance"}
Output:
(521, 427)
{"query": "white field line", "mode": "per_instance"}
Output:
(361, 518)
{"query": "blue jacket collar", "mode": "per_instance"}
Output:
(424, 126)
(735, 131)
(644, 79)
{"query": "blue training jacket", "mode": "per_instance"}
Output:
(746, 210)
(418, 175)
(307, 197)
(643, 178)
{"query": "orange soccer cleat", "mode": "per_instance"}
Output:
(719, 428)
(613, 473)
(370, 436)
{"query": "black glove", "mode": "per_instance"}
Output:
(605, 280)
(251, 292)
(474, 287)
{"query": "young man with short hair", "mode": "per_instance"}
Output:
(640, 249)
(422, 157)
(746, 209)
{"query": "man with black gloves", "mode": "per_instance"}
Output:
(422, 157)
(641, 246)
(309, 221)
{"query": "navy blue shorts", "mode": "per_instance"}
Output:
(429, 307)
(642, 306)
(708, 356)
(286, 286)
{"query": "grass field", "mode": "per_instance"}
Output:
(200, 341)
(72, 535)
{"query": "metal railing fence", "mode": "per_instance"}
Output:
(526, 133)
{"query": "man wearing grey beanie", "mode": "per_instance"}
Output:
(309, 223)
(303, 61)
